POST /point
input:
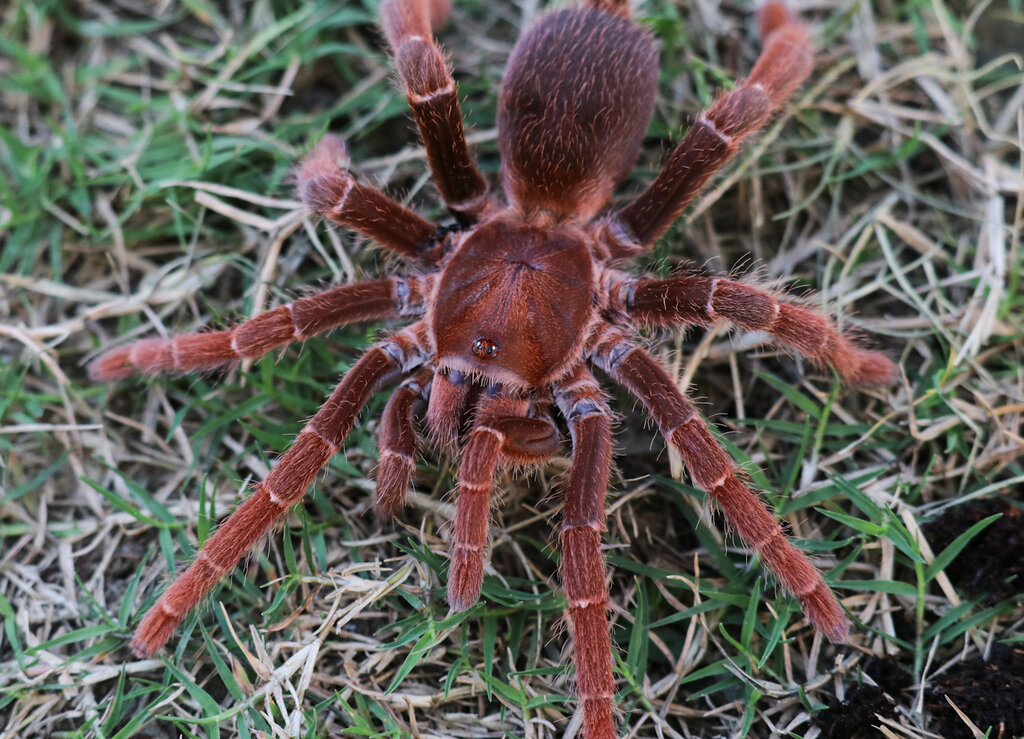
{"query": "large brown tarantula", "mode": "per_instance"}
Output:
(518, 303)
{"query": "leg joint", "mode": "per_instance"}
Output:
(710, 125)
(402, 457)
(594, 525)
(611, 355)
(162, 605)
(689, 417)
(499, 435)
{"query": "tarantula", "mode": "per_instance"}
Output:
(517, 302)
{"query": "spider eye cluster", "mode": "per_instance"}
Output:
(486, 348)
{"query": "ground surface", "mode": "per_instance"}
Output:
(146, 150)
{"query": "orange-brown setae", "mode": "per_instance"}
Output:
(514, 305)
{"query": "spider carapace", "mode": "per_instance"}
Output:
(513, 307)
(514, 304)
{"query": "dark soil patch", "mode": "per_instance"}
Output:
(991, 695)
(858, 715)
(993, 562)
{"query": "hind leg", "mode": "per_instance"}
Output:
(430, 89)
(615, 7)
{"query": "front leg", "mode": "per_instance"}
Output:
(502, 432)
(285, 485)
(582, 404)
(713, 471)
(397, 442)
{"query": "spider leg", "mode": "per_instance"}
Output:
(296, 321)
(452, 394)
(783, 65)
(712, 470)
(476, 475)
(502, 431)
(396, 440)
(580, 399)
(701, 300)
(431, 92)
(328, 189)
(615, 7)
(286, 484)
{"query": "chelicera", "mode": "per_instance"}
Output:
(513, 308)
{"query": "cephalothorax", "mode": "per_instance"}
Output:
(518, 302)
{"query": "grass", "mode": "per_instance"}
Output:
(146, 151)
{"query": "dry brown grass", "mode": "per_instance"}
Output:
(145, 149)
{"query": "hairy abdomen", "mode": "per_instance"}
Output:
(575, 103)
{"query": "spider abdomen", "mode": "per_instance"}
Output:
(513, 303)
(575, 103)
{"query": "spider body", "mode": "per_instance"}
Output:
(517, 304)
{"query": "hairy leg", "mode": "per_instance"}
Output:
(502, 431)
(285, 485)
(329, 190)
(297, 321)
(469, 537)
(430, 88)
(712, 470)
(580, 399)
(703, 300)
(397, 442)
(452, 395)
(615, 7)
(715, 137)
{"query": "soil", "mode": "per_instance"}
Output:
(990, 693)
(857, 716)
(992, 564)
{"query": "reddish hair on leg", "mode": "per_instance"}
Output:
(712, 470)
(502, 432)
(296, 321)
(785, 62)
(701, 300)
(583, 577)
(285, 485)
(397, 442)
